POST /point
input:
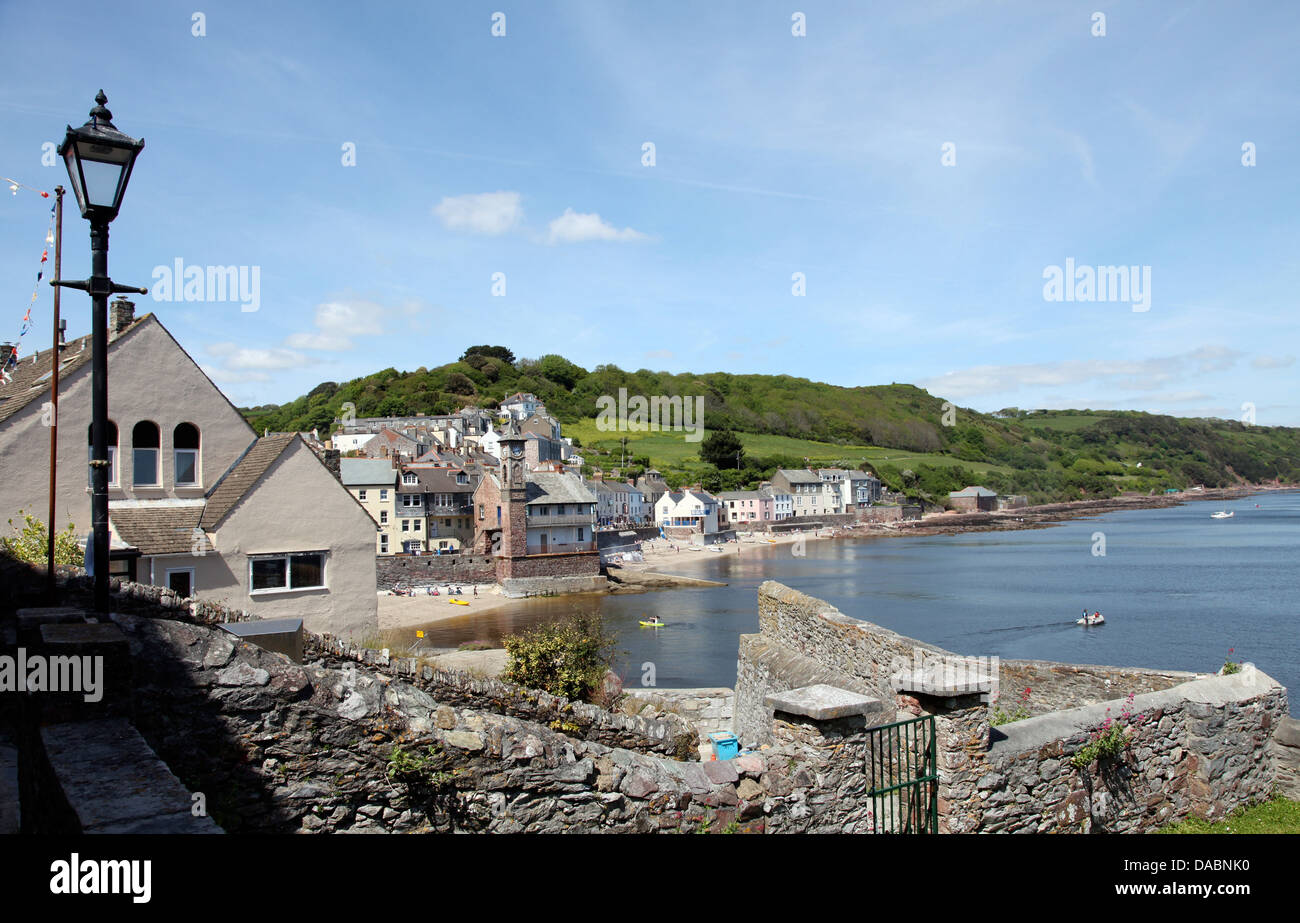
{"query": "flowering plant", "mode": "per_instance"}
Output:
(1111, 739)
(1019, 713)
(1229, 665)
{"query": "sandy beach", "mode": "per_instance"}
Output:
(410, 611)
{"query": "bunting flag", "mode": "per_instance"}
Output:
(14, 186)
(26, 323)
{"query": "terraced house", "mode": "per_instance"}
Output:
(197, 501)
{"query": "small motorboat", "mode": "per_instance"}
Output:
(1095, 619)
(651, 623)
(1221, 514)
(458, 602)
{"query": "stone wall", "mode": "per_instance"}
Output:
(433, 569)
(1056, 686)
(803, 640)
(1285, 753)
(706, 710)
(1200, 749)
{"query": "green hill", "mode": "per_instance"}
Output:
(915, 442)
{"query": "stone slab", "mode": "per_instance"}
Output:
(1288, 732)
(822, 702)
(281, 636)
(82, 635)
(113, 780)
(35, 616)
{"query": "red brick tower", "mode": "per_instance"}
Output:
(514, 496)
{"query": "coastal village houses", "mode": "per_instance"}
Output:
(811, 496)
(690, 510)
(198, 501)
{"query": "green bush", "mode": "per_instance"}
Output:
(567, 658)
(31, 543)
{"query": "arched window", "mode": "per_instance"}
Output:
(144, 455)
(185, 446)
(112, 450)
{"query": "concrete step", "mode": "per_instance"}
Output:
(112, 782)
(96, 653)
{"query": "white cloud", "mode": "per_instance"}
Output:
(573, 227)
(482, 213)
(1272, 362)
(337, 322)
(1076, 374)
(235, 356)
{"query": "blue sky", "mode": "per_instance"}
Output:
(820, 154)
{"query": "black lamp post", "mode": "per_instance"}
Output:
(99, 159)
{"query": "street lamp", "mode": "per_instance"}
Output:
(99, 159)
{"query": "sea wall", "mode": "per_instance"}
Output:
(433, 570)
(1057, 686)
(1199, 749)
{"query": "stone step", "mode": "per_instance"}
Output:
(113, 782)
(29, 621)
(103, 656)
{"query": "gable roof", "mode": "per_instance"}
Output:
(30, 376)
(973, 492)
(242, 475)
(799, 476)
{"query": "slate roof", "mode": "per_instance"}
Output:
(973, 492)
(442, 481)
(30, 377)
(157, 529)
(800, 476)
(243, 474)
(550, 487)
(367, 472)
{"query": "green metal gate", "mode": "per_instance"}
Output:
(902, 768)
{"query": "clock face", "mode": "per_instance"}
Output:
(516, 450)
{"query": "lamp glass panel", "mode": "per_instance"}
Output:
(101, 181)
(74, 175)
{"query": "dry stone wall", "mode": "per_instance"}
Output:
(1057, 686)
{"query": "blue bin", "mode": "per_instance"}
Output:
(725, 745)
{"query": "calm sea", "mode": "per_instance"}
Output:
(1178, 589)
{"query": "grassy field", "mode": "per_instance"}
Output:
(1280, 815)
(671, 449)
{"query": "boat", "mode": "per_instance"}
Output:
(458, 602)
(1221, 515)
(651, 623)
(1095, 619)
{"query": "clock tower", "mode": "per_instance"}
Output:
(514, 497)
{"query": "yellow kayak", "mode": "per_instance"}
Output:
(651, 624)
(458, 602)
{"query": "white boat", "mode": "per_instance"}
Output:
(1222, 515)
(1094, 619)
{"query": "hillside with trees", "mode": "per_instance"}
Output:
(915, 442)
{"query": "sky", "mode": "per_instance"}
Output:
(890, 196)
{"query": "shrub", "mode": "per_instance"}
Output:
(31, 543)
(568, 658)
(1019, 713)
(1231, 666)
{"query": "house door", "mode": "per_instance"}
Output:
(181, 582)
(544, 534)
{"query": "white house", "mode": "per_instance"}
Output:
(687, 509)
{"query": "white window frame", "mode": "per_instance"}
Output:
(361, 495)
(157, 466)
(383, 494)
(383, 543)
(288, 573)
(198, 477)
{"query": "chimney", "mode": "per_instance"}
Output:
(121, 314)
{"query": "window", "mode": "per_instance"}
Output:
(361, 495)
(419, 525)
(383, 517)
(383, 544)
(287, 572)
(144, 455)
(410, 501)
(383, 495)
(111, 439)
(406, 525)
(580, 534)
(462, 478)
(185, 450)
(410, 478)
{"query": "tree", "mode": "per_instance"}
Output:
(459, 384)
(561, 371)
(496, 352)
(722, 448)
